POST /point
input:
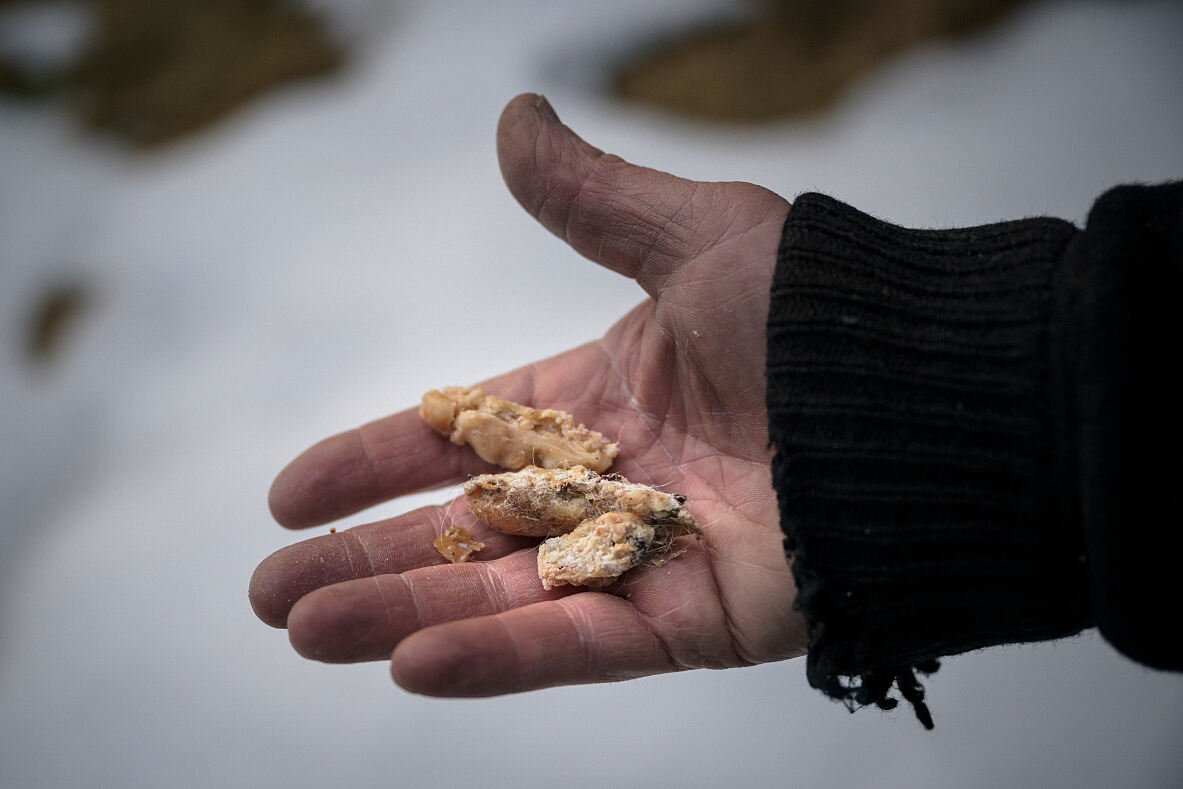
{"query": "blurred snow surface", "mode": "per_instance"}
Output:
(337, 248)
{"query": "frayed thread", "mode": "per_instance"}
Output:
(874, 688)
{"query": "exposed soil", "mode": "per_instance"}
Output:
(793, 57)
(157, 70)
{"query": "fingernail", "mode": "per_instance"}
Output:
(545, 110)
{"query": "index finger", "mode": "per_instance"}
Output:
(399, 454)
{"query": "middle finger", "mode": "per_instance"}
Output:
(384, 547)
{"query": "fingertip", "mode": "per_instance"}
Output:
(411, 663)
(286, 576)
(525, 110)
(517, 133)
(539, 156)
(281, 499)
(340, 624)
(280, 581)
(329, 480)
(268, 606)
(526, 105)
(310, 626)
(454, 660)
(287, 498)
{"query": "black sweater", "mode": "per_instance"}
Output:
(978, 435)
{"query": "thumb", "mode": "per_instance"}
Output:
(639, 222)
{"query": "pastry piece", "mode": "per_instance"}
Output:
(514, 436)
(548, 502)
(457, 545)
(597, 552)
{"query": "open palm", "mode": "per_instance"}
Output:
(679, 382)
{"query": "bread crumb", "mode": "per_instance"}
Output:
(457, 545)
(514, 436)
(538, 502)
(601, 526)
(597, 552)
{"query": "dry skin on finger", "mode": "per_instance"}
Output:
(597, 552)
(457, 545)
(548, 502)
(514, 436)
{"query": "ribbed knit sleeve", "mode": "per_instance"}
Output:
(978, 435)
(915, 398)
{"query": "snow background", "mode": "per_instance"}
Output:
(337, 248)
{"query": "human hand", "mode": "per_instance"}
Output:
(679, 382)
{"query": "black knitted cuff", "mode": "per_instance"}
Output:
(914, 387)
